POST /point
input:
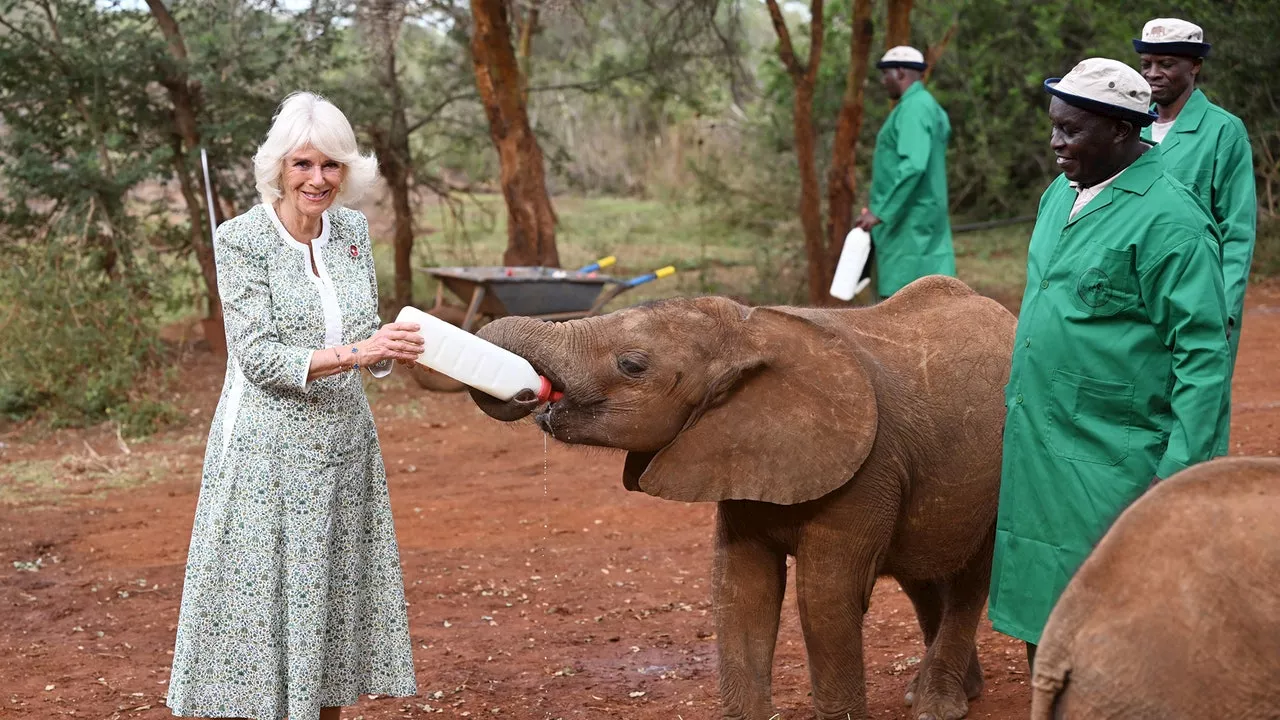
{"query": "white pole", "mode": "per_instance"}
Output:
(208, 193)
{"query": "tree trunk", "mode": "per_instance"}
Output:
(392, 147)
(899, 32)
(185, 96)
(531, 221)
(803, 78)
(383, 22)
(525, 51)
(810, 197)
(842, 180)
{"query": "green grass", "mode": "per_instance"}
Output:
(644, 235)
(994, 262)
(48, 482)
(712, 255)
(24, 481)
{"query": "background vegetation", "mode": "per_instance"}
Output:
(665, 129)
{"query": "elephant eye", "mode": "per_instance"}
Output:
(633, 365)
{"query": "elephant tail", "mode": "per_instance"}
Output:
(1049, 681)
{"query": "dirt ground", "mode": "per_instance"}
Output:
(538, 587)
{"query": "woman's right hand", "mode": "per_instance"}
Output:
(395, 341)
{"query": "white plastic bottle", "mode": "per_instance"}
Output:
(474, 361)
(846, 283)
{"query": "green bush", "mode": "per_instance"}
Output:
(76, 347)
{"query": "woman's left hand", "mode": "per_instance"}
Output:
(396, 341)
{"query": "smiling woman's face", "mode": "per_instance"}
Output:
(310, 181)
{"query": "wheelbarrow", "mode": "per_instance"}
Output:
(491, 292)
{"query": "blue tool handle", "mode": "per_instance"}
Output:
(603, 262)
(642, 279)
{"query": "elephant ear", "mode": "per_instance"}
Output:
(790, 418)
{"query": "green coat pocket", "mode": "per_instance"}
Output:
(1089, 420)
(1105, 281)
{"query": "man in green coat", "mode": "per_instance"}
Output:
(1207, 148)
(907, 217)
(1121, 350)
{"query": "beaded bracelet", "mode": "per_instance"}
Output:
(336, 356)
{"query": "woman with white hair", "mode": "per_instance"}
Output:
(293, 603)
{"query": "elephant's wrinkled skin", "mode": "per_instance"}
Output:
(1176, 613)
(864, 442)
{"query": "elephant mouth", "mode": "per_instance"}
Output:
(552, 418)
(543, 420)
(573, 420)
(634, 467)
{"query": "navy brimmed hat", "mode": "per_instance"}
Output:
(1106, 87)
(1171, 36)
(903, 56)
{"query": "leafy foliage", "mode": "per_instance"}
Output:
(72, 341)
(683, 100)
(94, 250)
(990, 78)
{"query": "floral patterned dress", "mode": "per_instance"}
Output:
(293, 598)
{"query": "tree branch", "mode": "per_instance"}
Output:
(169, 27)
(785, 51)
(37, 43)
(582, 85)
(815, 41)
(934, 52)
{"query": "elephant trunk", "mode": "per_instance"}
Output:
(534, 340)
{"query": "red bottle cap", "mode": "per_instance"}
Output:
(545, 393)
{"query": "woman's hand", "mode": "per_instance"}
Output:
(395, 341)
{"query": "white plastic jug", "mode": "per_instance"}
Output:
(848, 279)
(474, 361)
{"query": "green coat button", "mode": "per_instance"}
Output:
(1018, 399)
(1044, 284)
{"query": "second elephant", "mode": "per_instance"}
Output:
(863, 442)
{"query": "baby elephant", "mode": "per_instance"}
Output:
(1176, 614)
(864, 442)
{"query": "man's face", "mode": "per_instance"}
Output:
(1169, 76)
(1087, 144)
(892, 81)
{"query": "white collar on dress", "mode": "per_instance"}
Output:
(284, 234)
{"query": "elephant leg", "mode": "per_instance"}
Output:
(748, 583)
(834, 590)
(926, 598)
(951, 674)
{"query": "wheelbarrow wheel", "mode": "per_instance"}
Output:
(429, 379)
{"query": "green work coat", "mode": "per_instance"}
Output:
(909, 193)
(1120, 355)
(1208, 150)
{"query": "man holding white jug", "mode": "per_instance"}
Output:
(907, 213)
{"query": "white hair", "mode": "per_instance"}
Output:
(307, 119)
